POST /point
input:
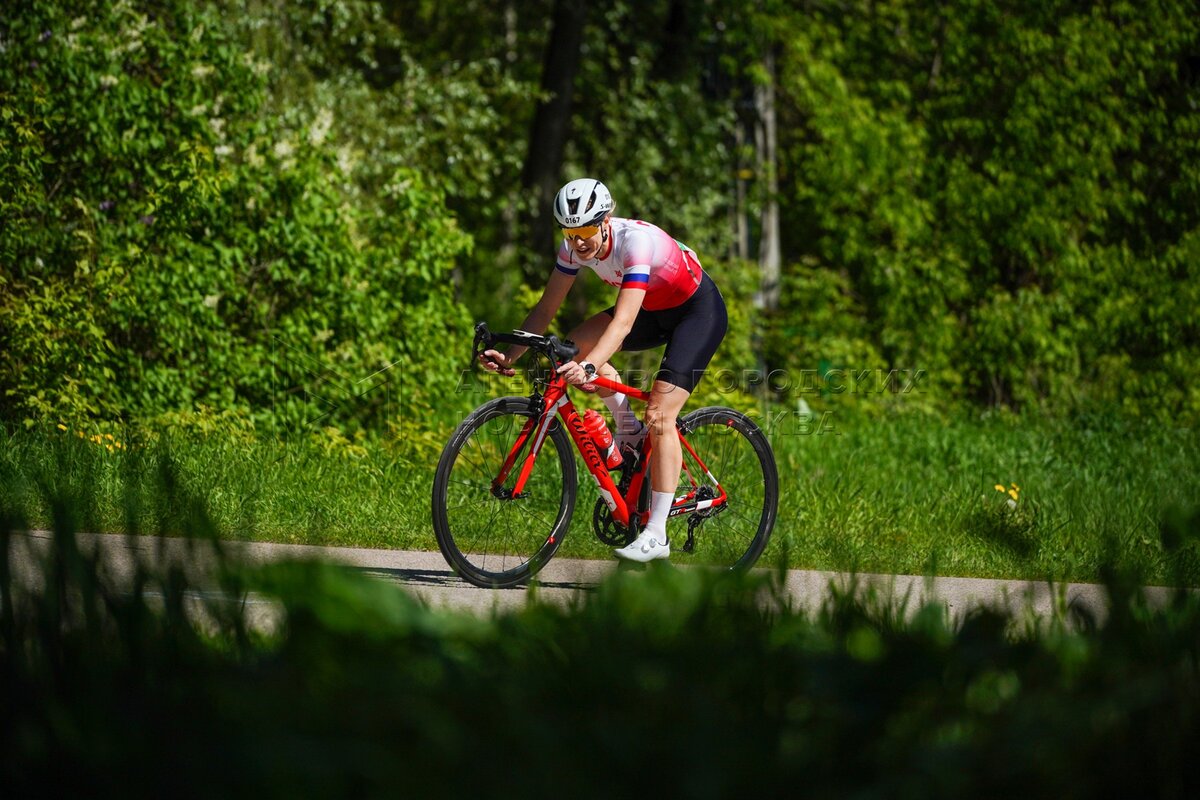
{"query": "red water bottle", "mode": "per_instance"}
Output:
(593, 423)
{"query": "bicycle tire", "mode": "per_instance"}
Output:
(739, 454)
(496, 542)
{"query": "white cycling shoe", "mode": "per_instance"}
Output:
(648, 546)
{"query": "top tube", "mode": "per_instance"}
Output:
(631, 391)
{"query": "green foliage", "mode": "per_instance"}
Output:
(391, 100)
(167, 242)
(307, 678)
(1010, 195)
(257, 205)
(648, 128)
(821, 335)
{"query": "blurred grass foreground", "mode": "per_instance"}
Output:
(154, 682)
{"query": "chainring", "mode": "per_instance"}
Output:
(608, 530)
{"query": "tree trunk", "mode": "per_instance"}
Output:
(551, 124)
(507, 256)
(741, 222)
(674, 53)
(769, 257)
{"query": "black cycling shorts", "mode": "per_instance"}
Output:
(691, 331)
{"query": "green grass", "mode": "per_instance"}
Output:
(900, 494)
(913, 495)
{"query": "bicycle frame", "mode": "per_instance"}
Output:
(557, 402)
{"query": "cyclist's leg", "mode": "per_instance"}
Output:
(666, 460)
(693, 342)
(644, 335)
(586, 335)
(698, 327)
(666, 400)
(662, 411)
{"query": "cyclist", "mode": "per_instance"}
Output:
(665, 298)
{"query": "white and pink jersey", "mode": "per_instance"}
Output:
(641, 255)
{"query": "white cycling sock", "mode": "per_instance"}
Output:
(624, 418)
(660, 508)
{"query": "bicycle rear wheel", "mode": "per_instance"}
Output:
(491, 538)
(737, 458)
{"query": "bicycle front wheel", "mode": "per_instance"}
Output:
(734, 456)
(489, 535)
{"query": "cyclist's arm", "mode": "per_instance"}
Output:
(543, 313)
(629, 302)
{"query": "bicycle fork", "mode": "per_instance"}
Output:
(533, 433)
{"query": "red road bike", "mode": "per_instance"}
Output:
(503, 499)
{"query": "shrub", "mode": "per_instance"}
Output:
(165, 243)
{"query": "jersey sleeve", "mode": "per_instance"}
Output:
(564, 262)
(638, 256)
(637, 277)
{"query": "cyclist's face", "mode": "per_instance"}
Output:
(589, 247)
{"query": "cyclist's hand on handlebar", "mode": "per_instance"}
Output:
(495, 361)
(576, 376)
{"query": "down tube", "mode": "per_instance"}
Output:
(595, 463)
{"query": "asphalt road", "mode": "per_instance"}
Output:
(427, 575)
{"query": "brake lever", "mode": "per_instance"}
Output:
(564, 350)
(482, 337)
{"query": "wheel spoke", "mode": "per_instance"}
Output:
(495, 541)
(737, 534)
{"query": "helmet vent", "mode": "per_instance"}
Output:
(582, 201)
(573, 203)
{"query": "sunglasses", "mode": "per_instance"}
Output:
(586, 232)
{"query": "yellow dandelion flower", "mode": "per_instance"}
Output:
(1018, 488)
(108, 436)
(1013, 493)
(62, 427)
(109, 447)
(999, 487)
(81, 434)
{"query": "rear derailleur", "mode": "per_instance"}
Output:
(696, 518)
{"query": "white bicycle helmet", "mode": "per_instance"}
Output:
(584, 201)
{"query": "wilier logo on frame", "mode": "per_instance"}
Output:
(308, 393)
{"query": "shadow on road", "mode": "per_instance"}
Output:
(447, 578)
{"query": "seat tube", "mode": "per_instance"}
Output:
(594, 461)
